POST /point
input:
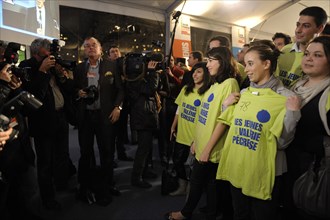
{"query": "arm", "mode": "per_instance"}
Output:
(39, 83)
(233, 98)
(291, 119)
(176, 74)
(151, 80)
(218, 131)
(174, 125)
(115, 114)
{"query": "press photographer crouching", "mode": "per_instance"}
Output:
(16, 156)
(49, 124)
(142, 81)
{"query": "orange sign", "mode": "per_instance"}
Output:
(182, 40)
(181, 48)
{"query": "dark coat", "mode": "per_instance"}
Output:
(144, 115)
(42, 121)
(111, 87)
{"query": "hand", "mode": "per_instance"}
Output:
(293, 103)
(192, 148)
(152, 65)
(173, 134)
(204, 158)
(4, 136)
(114, 116)
(5, 73)
(47, 63)
(15, 82)
(61, 71)
(169, 72)
(82, 93)
(231, 99)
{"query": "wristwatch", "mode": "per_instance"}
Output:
(119, 107)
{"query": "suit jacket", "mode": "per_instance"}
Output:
(111, 90)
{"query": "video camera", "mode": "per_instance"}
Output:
(54, 50)
(9, 109)
(135, 64)
(11, 57)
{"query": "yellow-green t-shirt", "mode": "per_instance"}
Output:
(187, 115)
(248, 158)
(289, 66)
(207, 117)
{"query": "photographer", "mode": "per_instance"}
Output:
(48, 125)
(5, 76)
(17, 157)
(100, 97)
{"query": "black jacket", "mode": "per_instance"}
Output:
(141, 94)
(111, 89)
(42, 121)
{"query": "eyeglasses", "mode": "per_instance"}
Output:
(211, 59)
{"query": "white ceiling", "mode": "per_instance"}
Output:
(263, 16)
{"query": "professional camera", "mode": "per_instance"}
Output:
(136, 64)
(54, 50)
(11, 57)
(10, 108)
(92, 94)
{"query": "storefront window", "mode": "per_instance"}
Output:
(131, 34)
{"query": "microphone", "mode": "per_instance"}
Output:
(176, 15)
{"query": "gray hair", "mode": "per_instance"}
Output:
(39, 43)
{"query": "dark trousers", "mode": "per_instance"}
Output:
(95, 126)
(163, 137)
(202, 179)
(247, 208)
(53, 158)
(18, 192)
(180, 155)
(145, 138)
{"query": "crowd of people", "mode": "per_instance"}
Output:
(251, 126)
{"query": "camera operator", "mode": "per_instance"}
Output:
(48, 125)
(144, 119)
(100, 97)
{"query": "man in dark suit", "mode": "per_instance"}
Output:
(96, 117)
(48, 125)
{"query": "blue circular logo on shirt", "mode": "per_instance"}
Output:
(263, 116)
(197, 102)
(210, 98)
